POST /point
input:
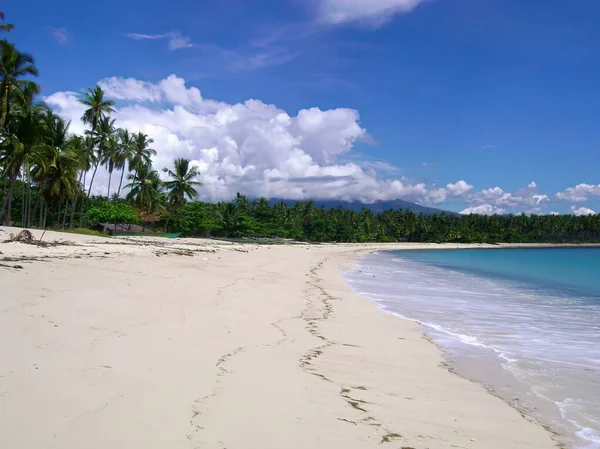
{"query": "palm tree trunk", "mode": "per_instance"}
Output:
(65, 213)
(41, 222)
(23, 202)
(45, 209)
(8, 218)
(121, 181)
(5, 200)
(35, 208)
(28, 219)
(75, 198)
(92, 180)
(82, 201)
(5, 106)
(109, 179)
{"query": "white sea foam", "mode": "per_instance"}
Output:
(548, 341)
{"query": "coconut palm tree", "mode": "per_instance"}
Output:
(98, 107)
(141, 153)
(5, 26)
(103, 140)
(29, 125)
(11, 161)
(56, 167)
(78, 145)
(145, 188)
(14, 67)
(182, 182)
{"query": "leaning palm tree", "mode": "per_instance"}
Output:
(14, 67)
(110, 157)
(141, 153)
(5, 26)
(182, 182)
(145, 188)
(125, 153)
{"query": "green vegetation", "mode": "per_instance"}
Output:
(113, 212)
(44, 168)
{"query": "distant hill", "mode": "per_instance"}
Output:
(377, 207)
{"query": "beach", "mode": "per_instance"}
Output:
(120, 343)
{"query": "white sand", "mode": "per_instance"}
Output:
(108, 345)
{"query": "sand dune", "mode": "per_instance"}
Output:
(108, 343)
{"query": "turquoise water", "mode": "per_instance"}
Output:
(524, 322)
(574, 270)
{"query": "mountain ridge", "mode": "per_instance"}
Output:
(376, 207)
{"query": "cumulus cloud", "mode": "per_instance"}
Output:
(372, 11)
(457, 190)
(175, 39)
(582, 211)
(251, 147)
(579, 193)
(528, 199)
(483, 209)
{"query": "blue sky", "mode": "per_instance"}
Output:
(494, 93)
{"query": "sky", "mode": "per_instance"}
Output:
(475, 106)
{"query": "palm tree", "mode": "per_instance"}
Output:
(11, 158)
(230, 218)
(108, 148)
(98, 109)
(78, 146)
(56, 167)
(14, 66)
(29, 125)
(141, 153)
(182, 182)
(145, 188)
(5, 26)
(125, 154)
(103, 139)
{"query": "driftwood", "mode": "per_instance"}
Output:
(25, 236)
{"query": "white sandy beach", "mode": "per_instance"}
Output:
(132, 343)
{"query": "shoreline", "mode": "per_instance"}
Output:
(446, 363)
(197, 343)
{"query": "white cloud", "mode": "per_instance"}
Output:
(251, 147)
(175, 39)
(582, 211)
(457, 190)
(62, 35)
(527, 200)
(579, 193)
(483, 209)
(487, 146)
(372, 11)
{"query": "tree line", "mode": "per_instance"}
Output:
(44, 170)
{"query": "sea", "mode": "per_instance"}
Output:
(525, 323)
